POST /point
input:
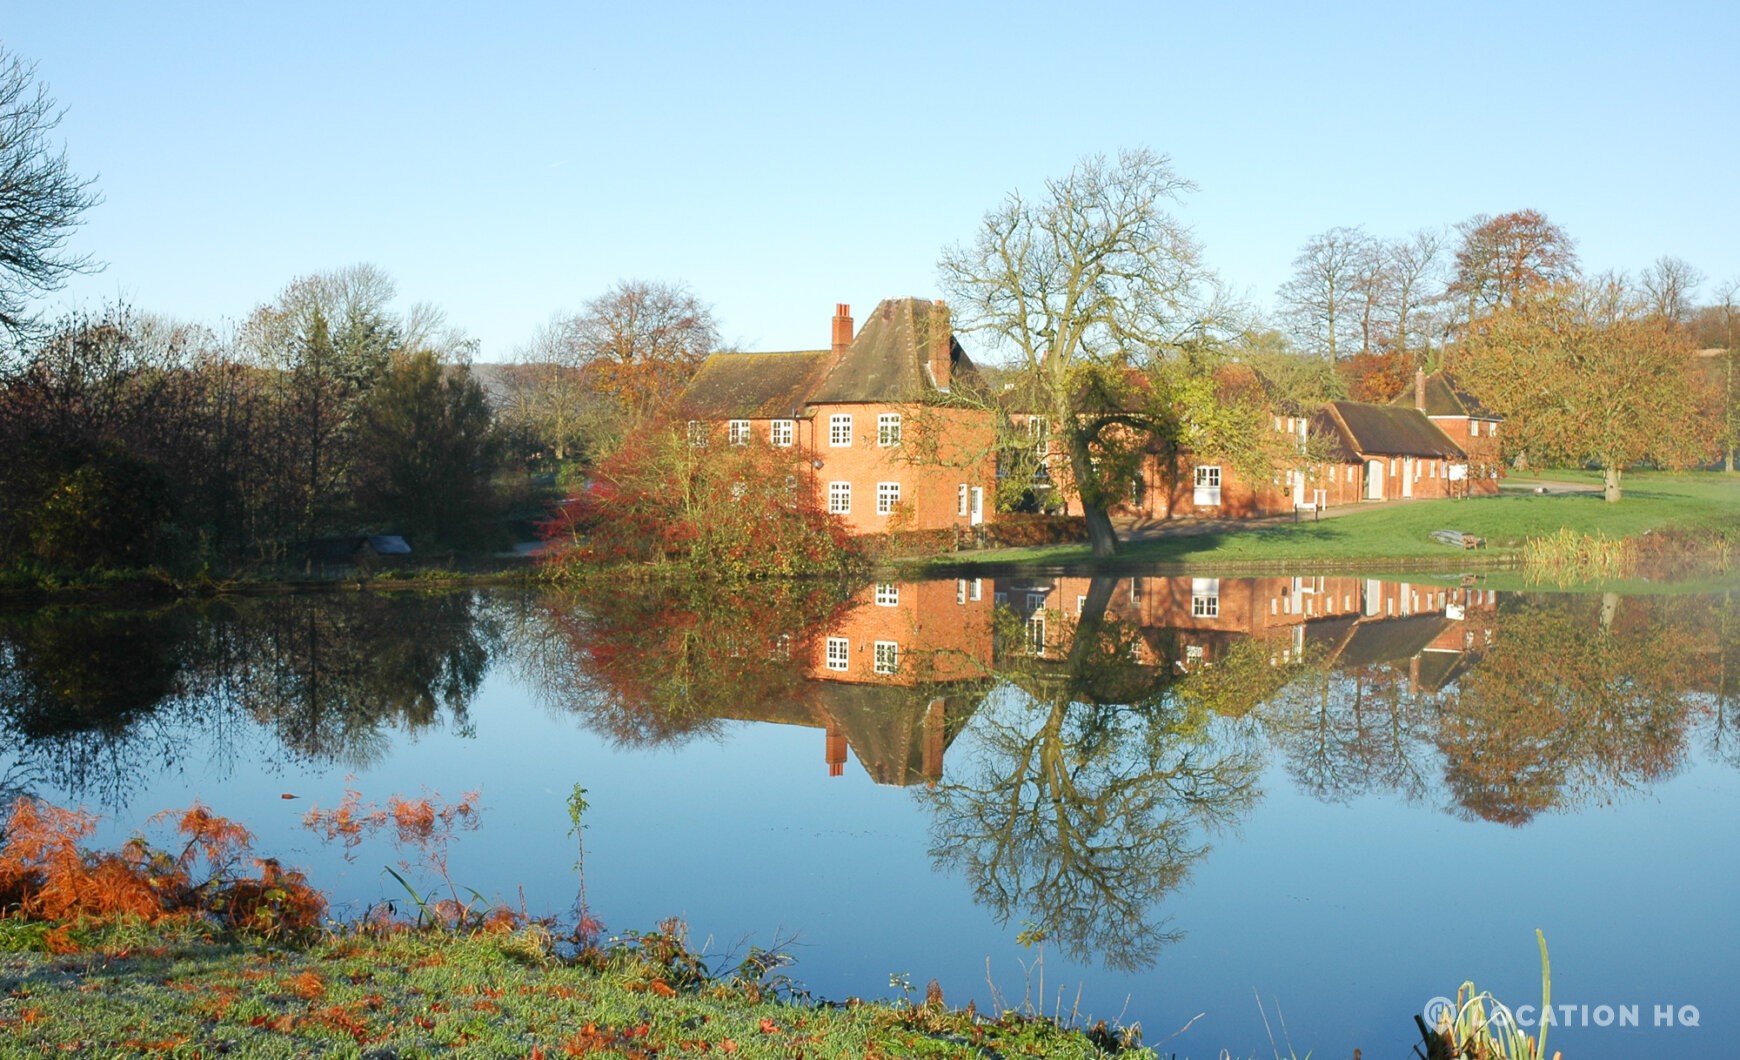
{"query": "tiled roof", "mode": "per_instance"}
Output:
(1391, 431)
(1444, 398)
(753, 386)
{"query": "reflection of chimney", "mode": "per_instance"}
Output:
(1420, 389)
(837, 739)
(941, 340)
(934, 718)
(842, 328)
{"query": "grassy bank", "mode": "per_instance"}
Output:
(1398, 536)
(404, 993)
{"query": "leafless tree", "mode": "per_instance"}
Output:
(1320, 301)
(1668, 285)
(41, 198)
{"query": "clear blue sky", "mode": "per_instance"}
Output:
(509, 161)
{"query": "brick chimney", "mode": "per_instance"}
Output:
(842, 328)
(1420, 389)
(941, 342)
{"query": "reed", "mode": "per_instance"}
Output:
(1567, 556)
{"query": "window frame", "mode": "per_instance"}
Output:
(737, 432)
(840, 661)
(840, 498)
(885, 657)
(840, 430)
(1206, 482)
(887, 497)
(887, 430)
(782, 433)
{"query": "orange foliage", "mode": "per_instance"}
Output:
(46, 875)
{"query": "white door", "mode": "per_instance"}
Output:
(978, 507)
(1407, 476)
(1374, 480)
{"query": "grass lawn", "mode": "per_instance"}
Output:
(1702, 502)
(407, 994)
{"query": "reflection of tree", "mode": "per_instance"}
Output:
(1576, 697)
(99, 700)
(329, 673)
(1352, 732)
(1720, 675)
(1087, 793)
(656, 663)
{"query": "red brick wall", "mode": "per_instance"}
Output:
(940, 450)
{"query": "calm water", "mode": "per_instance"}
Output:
(1186, 802)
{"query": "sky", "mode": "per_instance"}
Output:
(508, 162)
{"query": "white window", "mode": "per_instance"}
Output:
(887, 497)
(839, 653)
(840, 498)
(840, 430)
(1205, 597)
(1036, 633)
(978, 588)
(737, 432)
(961, 500)
(1035, 601)
(697, 433)
(1037, 430)
(888, 429)
(960, 590)
(1350, 473)
(887, 656)
(1080, 605)
(887, 594)
(1207, 486)
(780, 433)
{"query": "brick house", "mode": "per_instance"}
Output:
(1472, 427)
(1390, 451)
(869, 418)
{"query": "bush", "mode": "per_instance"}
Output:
(728, 511)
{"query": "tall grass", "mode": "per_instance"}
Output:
(1567, 556)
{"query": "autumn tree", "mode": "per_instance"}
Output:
(1502, 259)
(1722, 324)
(550, 398)
(41, 199)
(1086, 287)
(671, 497)
(638, 342)
(1585, 374)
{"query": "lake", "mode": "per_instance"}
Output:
(1256, 814)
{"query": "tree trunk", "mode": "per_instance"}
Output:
(1100, 533)
(1610, 484)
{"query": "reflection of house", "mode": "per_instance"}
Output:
(866, 418)
(1188, 622)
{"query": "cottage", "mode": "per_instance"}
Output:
(868, 419)
(1464, 421)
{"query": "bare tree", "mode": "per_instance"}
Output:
(1414, 264)
(1320, 301)
(41, 198)
(1668, 286)
(1090, 280)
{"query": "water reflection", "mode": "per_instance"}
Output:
(1076, 743)
(101, 700)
